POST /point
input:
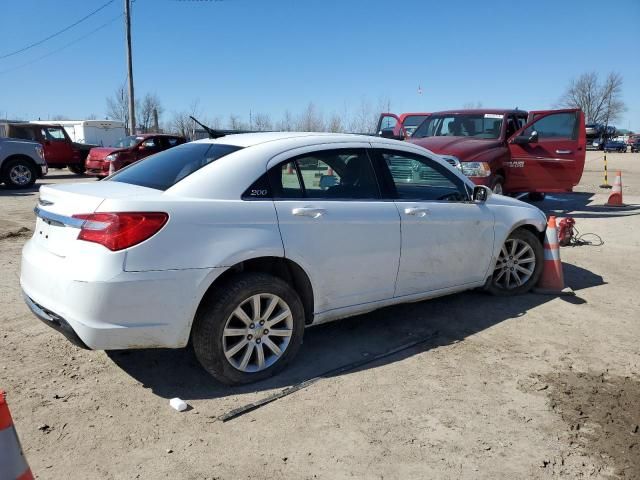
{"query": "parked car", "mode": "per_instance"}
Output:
(229, 243)
(635, 146)
(59, 150)
(103, 161)
(615, 146)
(510, 151)
(21, 162)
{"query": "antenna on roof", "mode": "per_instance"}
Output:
(212, 133)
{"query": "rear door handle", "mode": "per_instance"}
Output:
(308, 212)
(564, 152)
(417, 211)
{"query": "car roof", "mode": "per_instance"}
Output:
(252, 139)
(499, 111)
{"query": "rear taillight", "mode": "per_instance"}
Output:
(120, 230)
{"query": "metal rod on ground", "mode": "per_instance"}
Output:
(606, 178)
(237, 412)
(127, 27)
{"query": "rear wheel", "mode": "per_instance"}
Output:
(19, 173)
(519, 264)
(77, 169)
(248, 329)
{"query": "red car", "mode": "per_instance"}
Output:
(103, 161)
(511, 151)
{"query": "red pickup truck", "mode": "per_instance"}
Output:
(103, 161)
(511, 151)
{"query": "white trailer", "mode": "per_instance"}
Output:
(94, 132)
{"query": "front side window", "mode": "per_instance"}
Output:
(555, 127)
(329, 174)
(53, 134)
(419, 178)
(476, 125)
(411, 122)
(128, 142)
(163, 170)
(22, 133)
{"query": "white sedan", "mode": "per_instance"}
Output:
(237, 244)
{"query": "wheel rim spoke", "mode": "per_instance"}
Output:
(272, 346)
(249, 342)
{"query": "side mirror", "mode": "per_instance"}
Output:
(481, 193)
(388, 133)
(524, 139)
(327, 181)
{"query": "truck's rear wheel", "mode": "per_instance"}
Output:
(536, 196)
(77, 169)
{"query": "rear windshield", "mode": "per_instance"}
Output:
(163, 170)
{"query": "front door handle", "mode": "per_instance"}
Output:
(308, 212)
(564, 152)
(417, 211)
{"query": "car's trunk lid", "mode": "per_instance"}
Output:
(56, 229)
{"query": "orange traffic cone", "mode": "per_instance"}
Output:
(13, 465)
(615, 199)
(552, 279)
(289, 168)
(330, 171)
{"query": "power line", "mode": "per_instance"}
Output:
(40, 42)
(79, 39)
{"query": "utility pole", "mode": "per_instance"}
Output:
(127, 25)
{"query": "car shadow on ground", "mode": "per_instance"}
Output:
(579, 205)
(177, 373)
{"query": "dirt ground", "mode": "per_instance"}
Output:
(526, 387)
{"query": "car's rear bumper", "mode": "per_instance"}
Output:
(151, 309)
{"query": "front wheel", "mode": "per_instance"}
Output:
(519, 264)
(497, 185)
(248, 329)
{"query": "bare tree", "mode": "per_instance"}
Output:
(118, 106)
(311, 120)
(335, 124)
(181, 123)
(59, 117)
(364, 119)
(262, 122)
(92, 116)
(472, 105)
(601, 102)
(236, 123)
(149, 107)
(286, 123)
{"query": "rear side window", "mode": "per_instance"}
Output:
(165, 169)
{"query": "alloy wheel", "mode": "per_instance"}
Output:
(515, 266)
(20, 175)
(257, 333)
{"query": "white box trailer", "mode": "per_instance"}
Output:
(94, 132)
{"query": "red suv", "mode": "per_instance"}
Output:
(103, 161)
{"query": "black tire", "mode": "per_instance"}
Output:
(217, 308)
(523, 235)
(536, 196)
(498, 183)
(77, 169)
(19, 173)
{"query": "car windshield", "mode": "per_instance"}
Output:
(163, 170)
(128, 142)
(476, 125)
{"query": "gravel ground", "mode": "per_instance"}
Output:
(526, 387)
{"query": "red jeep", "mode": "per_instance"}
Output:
(511, 151)
(59, 150)
(103, 161)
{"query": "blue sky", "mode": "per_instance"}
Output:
(271, 55)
